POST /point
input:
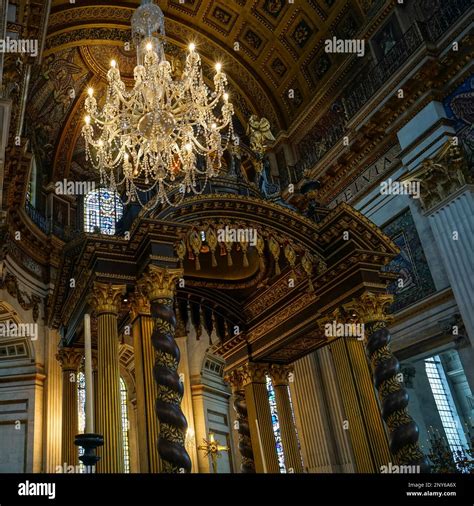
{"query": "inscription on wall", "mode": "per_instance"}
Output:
(369, 176)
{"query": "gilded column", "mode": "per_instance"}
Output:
(142, 328)
(235, 378)
(70, 359)
(289, 438)
(159, 285)
(260, 418)
(403, 431)
(105, 302)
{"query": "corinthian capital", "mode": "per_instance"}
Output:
(235, 380)
(69, 358)
(370, 307)
(159, 282)
(106, 298)
(139, 305)
(280, 374)
(253, 373)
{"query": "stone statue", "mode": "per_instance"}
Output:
(259, 133)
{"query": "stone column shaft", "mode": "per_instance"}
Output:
(289, 437)
(364, 423)
(241, 409)
(260, 419)
(53, 405)
(142, 328)
(105, 301)
(70, 359)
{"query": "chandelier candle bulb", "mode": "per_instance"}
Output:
(173, 127)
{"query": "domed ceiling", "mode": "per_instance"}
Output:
(272, 52)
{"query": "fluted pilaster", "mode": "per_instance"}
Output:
(142, 329)
(53, 404)
(105, 301)
(159, 285)
(235, 379)
(70, 359)
(291, 449)
(259, 417)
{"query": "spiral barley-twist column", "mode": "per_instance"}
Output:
(159, 285)
(240, 406)
(403, 430)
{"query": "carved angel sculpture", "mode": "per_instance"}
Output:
(259, 133)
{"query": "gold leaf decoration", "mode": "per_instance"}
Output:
(290, 254)
(212, 242)
(274, 246)
(181, 251)
(307, 262)
(196, 244)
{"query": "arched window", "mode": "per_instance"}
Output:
(125, 425)
(102, 209)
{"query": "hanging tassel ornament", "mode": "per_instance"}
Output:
(290, 255)
(181, 252)
(307, 262)
(196, 244)
(212, 243)
(244, 245)
(228, 246)
(274, 246)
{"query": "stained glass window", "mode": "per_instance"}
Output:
(124, 404)
(102, 209)
(276, 425)
(445, 403)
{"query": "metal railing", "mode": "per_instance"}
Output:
(368, 83)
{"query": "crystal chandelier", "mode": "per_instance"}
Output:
(165, 132)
